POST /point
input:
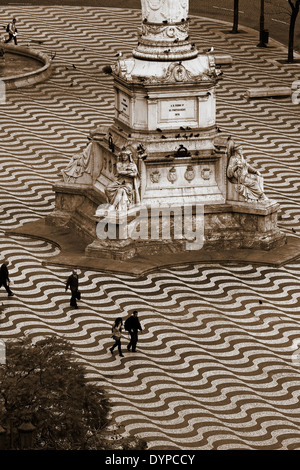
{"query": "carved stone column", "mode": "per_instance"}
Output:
(164, 33)
(157, 11)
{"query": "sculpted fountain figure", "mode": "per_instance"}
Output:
(248, 181)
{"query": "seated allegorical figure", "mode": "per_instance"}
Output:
(248, 181)
(79, 164)
(124, 191)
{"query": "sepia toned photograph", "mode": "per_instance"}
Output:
(149, 228)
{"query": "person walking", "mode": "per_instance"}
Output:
(132, 325)
(116, 335)
(73, 283)
(12, 31)
(4, 279)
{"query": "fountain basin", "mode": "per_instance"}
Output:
(22, 66)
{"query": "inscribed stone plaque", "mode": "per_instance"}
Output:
(178, 110)
(124, 104)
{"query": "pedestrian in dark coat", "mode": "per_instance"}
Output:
(116, 335)
(4, 279)
(12, 31)
(73, 283)
(132, 325)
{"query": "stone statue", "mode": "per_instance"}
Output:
(124, 191)
(157, 11)
(79, 164)
(248, 181)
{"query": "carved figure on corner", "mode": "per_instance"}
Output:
(124, 191)
(111, 143)
(141, 152)
(79, 164)
(248, 181)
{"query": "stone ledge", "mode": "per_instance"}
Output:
(223, 59)
(81, 189)
(73, 253)
(268, 92)
(255, 208)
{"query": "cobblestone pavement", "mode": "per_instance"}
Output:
(217, 363)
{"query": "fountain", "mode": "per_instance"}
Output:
(32, 66)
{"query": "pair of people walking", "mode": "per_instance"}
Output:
(132, 326)
(72, 283)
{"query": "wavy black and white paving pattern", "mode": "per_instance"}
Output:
(217, 364)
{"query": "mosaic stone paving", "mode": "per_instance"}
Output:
(217, 364)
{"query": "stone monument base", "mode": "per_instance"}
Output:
(73, 253)
(234, 225)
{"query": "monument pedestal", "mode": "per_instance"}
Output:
(161, 152)
(226, 226)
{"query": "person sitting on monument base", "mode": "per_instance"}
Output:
(123, 192)
(248, 181)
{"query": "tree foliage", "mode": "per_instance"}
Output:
(43, 383)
